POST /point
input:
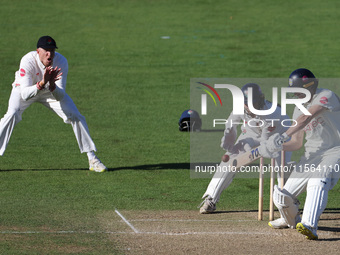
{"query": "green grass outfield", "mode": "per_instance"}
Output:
(132, 86)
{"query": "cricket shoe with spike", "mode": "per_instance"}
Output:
(278, 223)
(97, 166)
(207, 206)
(307, 231)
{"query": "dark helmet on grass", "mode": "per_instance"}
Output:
(190, 121)
(258, 96)
(303, 78)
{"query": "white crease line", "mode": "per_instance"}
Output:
(173, 220)
(127, 222)
(64, 232)
(138, 232)
(328, 233)
(210, 233)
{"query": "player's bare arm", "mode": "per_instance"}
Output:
(303, 120)
(276, 142)
(296, 133)
(296, 142)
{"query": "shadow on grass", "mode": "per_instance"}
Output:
(165, 166)
(43, 169)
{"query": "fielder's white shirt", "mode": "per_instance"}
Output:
(323, 131)
(31, 71)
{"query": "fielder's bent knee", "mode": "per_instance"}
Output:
(13, 113)
(74, 117)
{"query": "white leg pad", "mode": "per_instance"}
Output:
(316, 200)
(287, 205)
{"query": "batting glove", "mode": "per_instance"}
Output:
(265, 152)
(270, 148)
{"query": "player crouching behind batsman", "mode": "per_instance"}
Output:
(257, 129)
(42, 78)
(318, 169)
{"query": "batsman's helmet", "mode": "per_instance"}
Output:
(190, 121)
(303, 78)
(258, 96)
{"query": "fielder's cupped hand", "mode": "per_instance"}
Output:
(225, 144)
(51, 75)
(228, 139)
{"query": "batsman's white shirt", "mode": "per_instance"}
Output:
(322, 148)
(322, 132)
(318, 170)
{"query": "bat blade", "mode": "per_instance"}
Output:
(246, 158)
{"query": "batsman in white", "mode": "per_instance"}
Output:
(42, 78)
(318, 169)
(255, 128)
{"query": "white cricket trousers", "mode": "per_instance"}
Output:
(65, 109)
(317, 175)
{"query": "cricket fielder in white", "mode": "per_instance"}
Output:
(318, 169)
(254, 130)
(42, 78)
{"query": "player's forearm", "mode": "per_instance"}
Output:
(29, 92)
(295, 143)
(291, 146)
(33, 90)
(302, 121)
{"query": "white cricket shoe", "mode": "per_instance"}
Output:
(281, 223)
(207, 206)
(278, 223)
(307, 231)
(97, 166)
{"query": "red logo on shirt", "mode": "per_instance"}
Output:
(323, 100)
(22, 72)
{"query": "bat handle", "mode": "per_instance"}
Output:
(282, 172)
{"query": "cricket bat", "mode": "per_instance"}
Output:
(245, 158)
